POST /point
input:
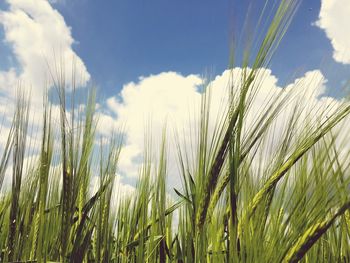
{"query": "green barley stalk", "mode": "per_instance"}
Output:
(20, 136)
(307, 145)
(312, 234)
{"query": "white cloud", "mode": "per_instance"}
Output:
(334, 19)
(40, 40)
(175, 99)
(155, 100)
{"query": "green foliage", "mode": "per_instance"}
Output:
(250, 193)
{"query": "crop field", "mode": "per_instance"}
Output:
(271, 186)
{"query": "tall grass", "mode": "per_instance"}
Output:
(250, 192)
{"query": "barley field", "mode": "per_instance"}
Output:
(251, 191)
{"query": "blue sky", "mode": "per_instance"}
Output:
(121, 40)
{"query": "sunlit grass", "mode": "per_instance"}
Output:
(250, 192)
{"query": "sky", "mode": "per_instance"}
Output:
(122, 40)
(151, 56)
(119, 41)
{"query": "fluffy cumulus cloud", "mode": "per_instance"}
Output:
(174, 99)
(149, 104)
(335, 20)
(42, 44)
